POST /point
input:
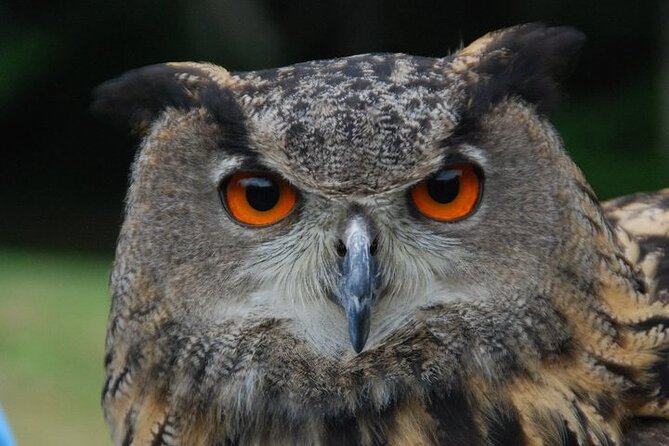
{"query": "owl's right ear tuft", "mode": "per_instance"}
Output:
(137, 97)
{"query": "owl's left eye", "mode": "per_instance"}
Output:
(257, 199)
(449, 195)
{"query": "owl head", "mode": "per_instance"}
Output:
(342, 195)
(377, 249)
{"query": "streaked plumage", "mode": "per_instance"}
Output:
(539, 319)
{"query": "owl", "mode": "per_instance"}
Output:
(380, 249)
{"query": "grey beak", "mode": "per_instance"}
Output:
(358, 282)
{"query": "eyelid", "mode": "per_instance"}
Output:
(258, 181)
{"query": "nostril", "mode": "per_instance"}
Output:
(341, 248)
(374, 247)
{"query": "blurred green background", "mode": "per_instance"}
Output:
(63, 173)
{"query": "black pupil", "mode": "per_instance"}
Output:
(262, 193)
(444, 186)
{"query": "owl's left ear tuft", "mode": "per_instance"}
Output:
(137, 97)
(527, 61)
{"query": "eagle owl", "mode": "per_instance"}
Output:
(379, 250)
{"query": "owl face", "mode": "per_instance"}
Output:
(340, 196)
(380, 249)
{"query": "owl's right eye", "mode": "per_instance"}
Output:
(257, 199)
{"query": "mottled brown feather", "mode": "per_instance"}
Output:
(642, 227)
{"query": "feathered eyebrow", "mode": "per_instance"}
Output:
(248, 161)
(251, 163)
(467, 152)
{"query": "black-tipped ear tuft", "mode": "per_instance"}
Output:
(138, 96)
(527, 61)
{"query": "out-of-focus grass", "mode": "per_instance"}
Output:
(53, 310)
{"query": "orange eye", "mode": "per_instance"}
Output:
(258, 199)
(449, 195)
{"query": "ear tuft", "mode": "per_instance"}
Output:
(138, 96)
(527, 61)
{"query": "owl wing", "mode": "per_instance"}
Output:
(648, 433)
(641, 222)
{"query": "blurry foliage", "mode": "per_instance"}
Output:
(614, 138)
(53, 310)
(24, 56)
(64, 173)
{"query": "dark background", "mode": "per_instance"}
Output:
(63, 172)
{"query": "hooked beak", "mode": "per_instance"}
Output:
(358, 282)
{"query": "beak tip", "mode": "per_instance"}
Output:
(358, 343)
(358, 328)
